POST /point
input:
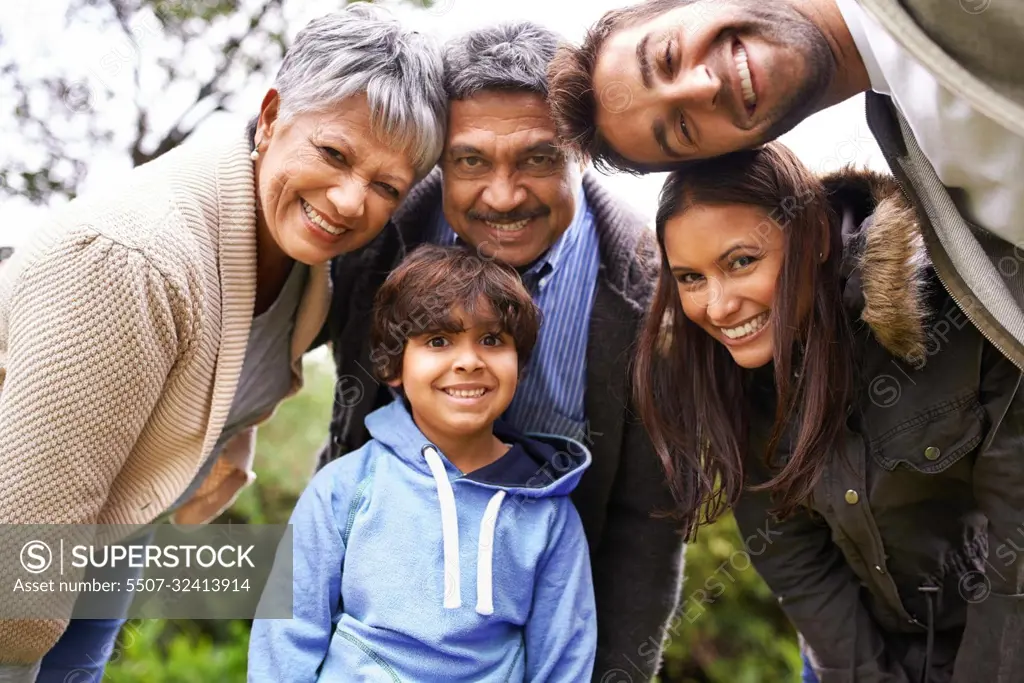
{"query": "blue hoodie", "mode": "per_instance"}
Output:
(407, 570)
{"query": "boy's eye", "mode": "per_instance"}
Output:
(491, 340)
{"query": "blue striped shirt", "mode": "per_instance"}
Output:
(550, 396)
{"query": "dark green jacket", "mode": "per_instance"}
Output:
(636, 558)
(918, 523)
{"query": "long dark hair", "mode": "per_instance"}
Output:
(693, 397)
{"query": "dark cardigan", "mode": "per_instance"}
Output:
(636, 558)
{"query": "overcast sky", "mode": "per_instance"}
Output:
(35, 31)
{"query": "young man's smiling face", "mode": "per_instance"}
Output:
(508, 190)
(459, 383)
(707, 78)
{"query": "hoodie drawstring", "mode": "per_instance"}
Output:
(485, 557)
(450, 534)
(449, 530)
(929, 594)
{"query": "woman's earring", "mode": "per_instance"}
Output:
(821, 254)
(255, 155)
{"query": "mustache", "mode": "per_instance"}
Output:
(509, 216)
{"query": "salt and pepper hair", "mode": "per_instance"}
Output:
(510, 56)
(365, 49)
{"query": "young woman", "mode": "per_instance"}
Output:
(145, 330)
(802, 365)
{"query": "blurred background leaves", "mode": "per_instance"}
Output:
(157, 69)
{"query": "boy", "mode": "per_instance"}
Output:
(446, 548)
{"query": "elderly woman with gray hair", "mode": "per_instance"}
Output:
(145, 330)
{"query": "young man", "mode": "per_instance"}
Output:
(384, 588)
(505, 189)
(667, 81)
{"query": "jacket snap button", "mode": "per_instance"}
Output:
(932, 453)
(852, 497)
(879, 569)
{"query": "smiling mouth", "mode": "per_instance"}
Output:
(740, 59)
(517, 226)
(466, 393)
(317, 219)
(747, 329)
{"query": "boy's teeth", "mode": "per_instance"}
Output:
(318, 220)
(465, 393)
(747, 329)
(508, 227)
(746, 84)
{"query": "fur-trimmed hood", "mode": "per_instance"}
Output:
(884, 258)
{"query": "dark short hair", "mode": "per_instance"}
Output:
(573, 101)
(509, 56)
(422, 295)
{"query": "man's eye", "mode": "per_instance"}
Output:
(541, 163)
(683, 129)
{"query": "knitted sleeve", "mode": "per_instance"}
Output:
(91, 340)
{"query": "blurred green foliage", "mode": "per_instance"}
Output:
(729, 629)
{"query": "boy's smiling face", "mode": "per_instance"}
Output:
(459, 383)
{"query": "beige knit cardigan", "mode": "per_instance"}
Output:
(123, 327)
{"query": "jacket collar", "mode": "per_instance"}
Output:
(884, 259)
(629, 253)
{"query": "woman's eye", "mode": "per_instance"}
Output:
(333, 154)
(389, 190)
(539, 160)
(470, 162)
(742, 262)
(689, 279)
(668, 58)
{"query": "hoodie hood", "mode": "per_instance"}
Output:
(887, 269)
(536, 466)
(530, 469)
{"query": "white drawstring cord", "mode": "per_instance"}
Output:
(485, 557)
(449, 530)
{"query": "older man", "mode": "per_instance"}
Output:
(504, 187)
(666, 81)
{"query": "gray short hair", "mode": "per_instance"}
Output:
(511, 56)
(365, 49)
